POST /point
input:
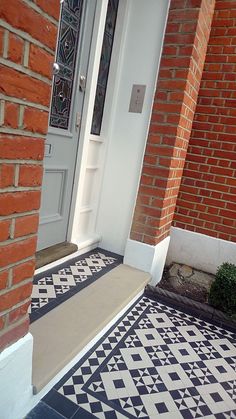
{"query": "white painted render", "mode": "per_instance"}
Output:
(143, 29)
(199, 251)
(16, 378)
(147, 258)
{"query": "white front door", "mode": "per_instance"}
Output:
(74, 39)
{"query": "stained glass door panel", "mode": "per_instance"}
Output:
(66, 56)
(104, 66)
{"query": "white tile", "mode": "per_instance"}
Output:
(210, 391)
(151, 402)
(48, 291)
(183, 352)
(110, 379)
(149, 337)
(160, 320)
(63, 280)
(221, 370)
(174, 377)
(224, 347)
(191, 333)
(136, 358)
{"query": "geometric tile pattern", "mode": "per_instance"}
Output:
(54, 286)
(155, 362)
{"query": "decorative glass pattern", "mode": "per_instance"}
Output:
(66, 58)
(104, 66)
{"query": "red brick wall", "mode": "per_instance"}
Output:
(27, 44)
(207, 197)
(183, 57)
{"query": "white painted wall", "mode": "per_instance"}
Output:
(199, 251)
(138, 63)
(147, 258)
(15, 378)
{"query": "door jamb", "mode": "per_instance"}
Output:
(86, 120)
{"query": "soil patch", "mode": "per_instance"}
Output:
(187, 281)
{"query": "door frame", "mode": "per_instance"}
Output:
(86, 117)
(88, 106)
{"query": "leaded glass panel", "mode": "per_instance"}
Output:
(66, 58)
(104, 66)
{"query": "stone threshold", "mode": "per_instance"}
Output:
(63, 332)
(195, 308)
(53, 253)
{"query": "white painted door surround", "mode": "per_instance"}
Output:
(143, 31)
(107, 180)
(109, 165)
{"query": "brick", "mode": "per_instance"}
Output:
(14, 83)
(15, 48)
(13, 334)
(11, 115)
(23, 271)
(7, 172)
(51, 8)
(18, 313)
(41, 61)
(30, 175)
(2, 322)
(217, 149)
(15, 296)
(17, 202)
(17, 251)
(26, 225)
(3, 280)
(36, 120)
(21, 16)
(20, 147)
(4, 230)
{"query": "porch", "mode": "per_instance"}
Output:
(71, 305)
(126, 355)
(159, 170)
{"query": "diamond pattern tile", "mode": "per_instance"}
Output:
(53, 287)
(156, 362)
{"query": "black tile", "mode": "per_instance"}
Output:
(82, 414)
(42, 411)
(216, 397)
(110, 415)
(174, 376)
(60, 403)
(96, 407)
(64, 378)
(119, 383)
(161, 408)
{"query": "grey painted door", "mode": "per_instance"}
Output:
(74, 39)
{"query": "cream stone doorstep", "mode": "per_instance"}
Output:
(63, 332)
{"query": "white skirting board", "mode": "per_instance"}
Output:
(147, 258)
(199, 250)
(16, 377)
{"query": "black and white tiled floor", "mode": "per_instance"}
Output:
(56, 285)
(155, 362)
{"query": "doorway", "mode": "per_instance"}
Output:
(68, 91)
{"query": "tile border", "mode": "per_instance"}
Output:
(195, 308)
(63, 297)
